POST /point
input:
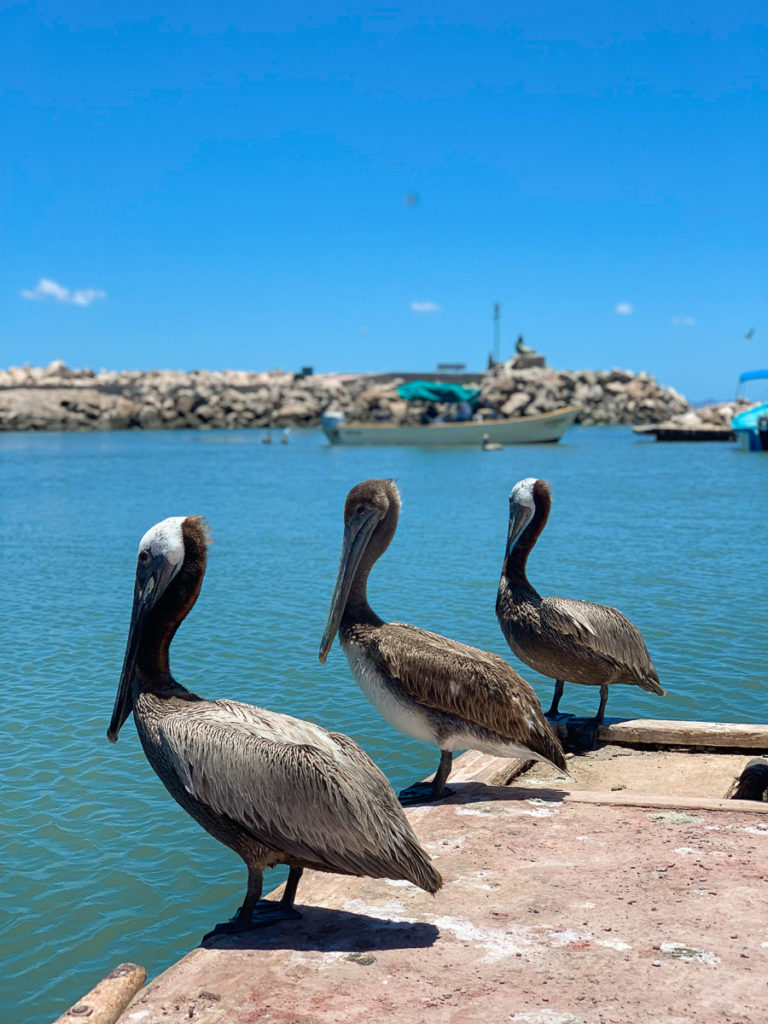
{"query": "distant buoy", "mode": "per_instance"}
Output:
(489, 445)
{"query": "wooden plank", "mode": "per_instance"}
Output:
(105, 1003)
(723, 735)
(473, 766)
(678, 803)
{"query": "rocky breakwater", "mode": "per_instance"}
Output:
(59, 398)
(605, 396)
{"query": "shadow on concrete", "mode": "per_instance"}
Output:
(324, 930)
(479, 792)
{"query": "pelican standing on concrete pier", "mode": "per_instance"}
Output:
(440, 691)
(568, 640)
(275, 789)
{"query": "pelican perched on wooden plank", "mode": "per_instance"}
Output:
(568, 640)
(440, 691)
(274, 789)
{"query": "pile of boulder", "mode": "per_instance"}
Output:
(59, 398)
(605, 396)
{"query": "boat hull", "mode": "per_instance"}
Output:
(751, 428)
(546, 427)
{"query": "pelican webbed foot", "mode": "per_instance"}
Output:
(255, 912)
(265, 912)
(422, 793)
(582, 733)
(428, 792)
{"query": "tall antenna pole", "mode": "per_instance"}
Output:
(496, 332)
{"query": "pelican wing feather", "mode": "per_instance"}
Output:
(475, 685)
(604, 631)
(312, 795)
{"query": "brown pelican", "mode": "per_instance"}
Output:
(427, 686)
(571, 641)
(274, 789)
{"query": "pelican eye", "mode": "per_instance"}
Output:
(361, 509)
(144, 557)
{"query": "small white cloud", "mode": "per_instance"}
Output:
(683, 321)
(85, 296)
(425, 307)
(624, 308)
(45, 289)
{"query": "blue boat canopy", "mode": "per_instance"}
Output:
(753, 375)
(436, 391)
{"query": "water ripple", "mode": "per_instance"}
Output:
(100, 864)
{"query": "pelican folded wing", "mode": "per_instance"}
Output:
(316, 797)
(606, 632)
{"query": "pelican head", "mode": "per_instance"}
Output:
(370, 519)
(522, 506)
(161, 556)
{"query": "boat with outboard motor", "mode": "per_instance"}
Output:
(751, 426)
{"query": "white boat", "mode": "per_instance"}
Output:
(545, 427)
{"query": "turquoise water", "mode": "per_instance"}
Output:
(100, 865)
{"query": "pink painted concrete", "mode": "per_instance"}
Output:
(553, 912)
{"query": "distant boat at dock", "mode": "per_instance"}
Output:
(545, 427)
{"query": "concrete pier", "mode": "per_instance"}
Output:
(562, 904)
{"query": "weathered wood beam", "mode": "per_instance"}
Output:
(105, 1003)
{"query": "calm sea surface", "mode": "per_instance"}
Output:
(99, 864)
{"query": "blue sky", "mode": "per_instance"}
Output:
(226, 186)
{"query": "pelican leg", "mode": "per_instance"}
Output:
(603, 701)
(256, 912)
(584, 733)
(426, 792)
(289, 894)
(553, 710)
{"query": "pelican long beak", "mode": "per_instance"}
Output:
(519, 517)
(356, 538)
(151, 581)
